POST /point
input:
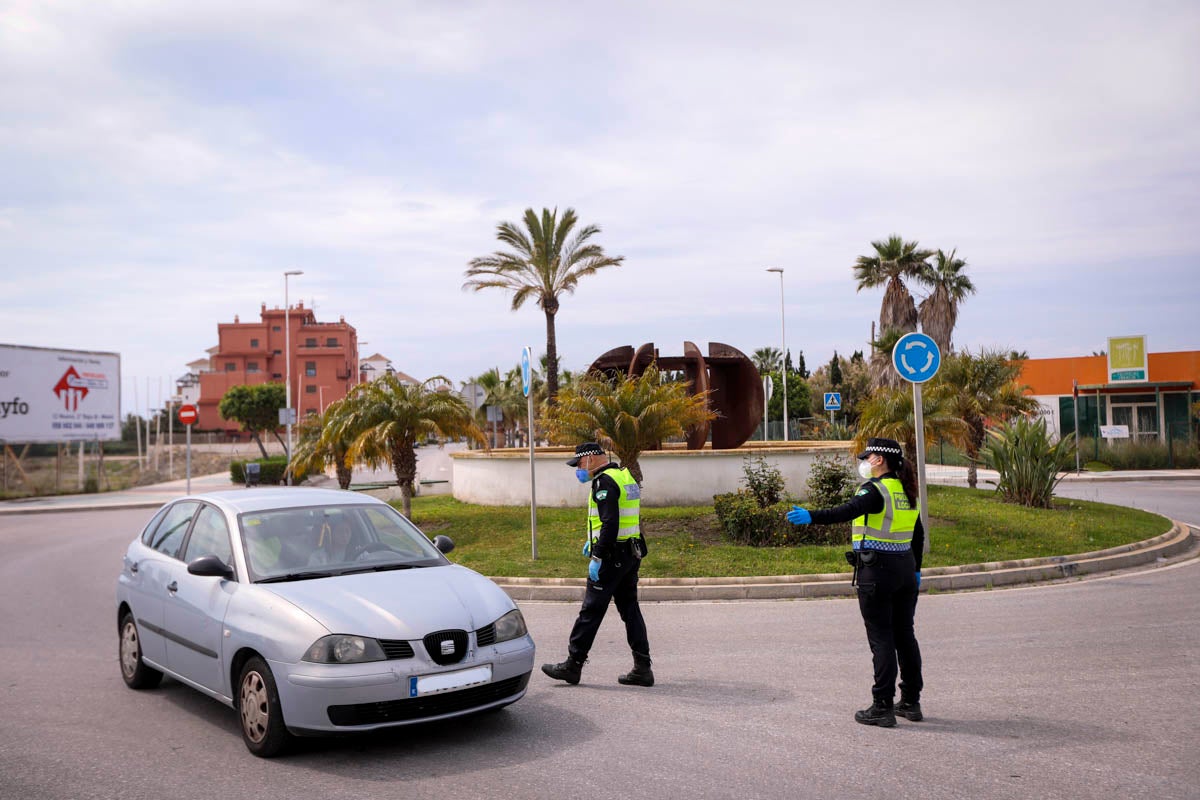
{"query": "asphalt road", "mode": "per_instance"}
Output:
(1076, 690)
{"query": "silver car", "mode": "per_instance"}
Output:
(313, 611)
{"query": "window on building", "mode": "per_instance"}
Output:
(310, 411)
(310, 389)
(230, 366)
(331, 342)
(310, 369)
(254, 344)
(277, 352)
(276, 376)
(276, 328)
(251, 366)
(310, 342)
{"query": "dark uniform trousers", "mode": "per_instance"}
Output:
(887, 598)
(618, 581)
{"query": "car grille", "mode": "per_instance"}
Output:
(396, 648)
(452, 654)
(434, 705)
(485, 635)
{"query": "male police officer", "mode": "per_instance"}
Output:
(616, 546)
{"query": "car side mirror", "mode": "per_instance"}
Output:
(443, 543)
(210, 567)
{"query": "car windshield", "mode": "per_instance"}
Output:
(319, 541)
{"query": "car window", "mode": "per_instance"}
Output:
(331, 539)
(152, 526)
(171, 530)
(210, 537)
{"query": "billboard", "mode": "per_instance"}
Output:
(59, 395)
(1127, 359)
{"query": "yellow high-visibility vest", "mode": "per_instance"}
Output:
(890, 529)
(629, 503)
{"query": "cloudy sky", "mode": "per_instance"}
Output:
(163, 163)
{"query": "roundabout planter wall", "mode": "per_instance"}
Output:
(670, 477)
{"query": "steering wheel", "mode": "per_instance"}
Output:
(369, 547)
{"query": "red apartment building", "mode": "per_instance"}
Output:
(324, 361)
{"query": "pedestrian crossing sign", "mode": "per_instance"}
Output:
(833, 401)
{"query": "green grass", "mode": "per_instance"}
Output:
(969, 526)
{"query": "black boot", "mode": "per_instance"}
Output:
(569, 670)
(640, 675)
(877, 714)
(910, 710)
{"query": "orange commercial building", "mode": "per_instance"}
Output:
(1153, 402)
(324, 359)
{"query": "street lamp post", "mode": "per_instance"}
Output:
(783, 352)
(287, 359)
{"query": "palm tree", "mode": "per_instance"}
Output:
(767, 359)
(890, 414)
(387, 418)
(939, 311)
(627, 416)
(883, 372)
(317, 447)
(545, 261)
(894, 260)
(979, 389)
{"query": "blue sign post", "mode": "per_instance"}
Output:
(526, 382)
(833, 402)
(917, 359)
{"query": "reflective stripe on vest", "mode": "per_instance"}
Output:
(890, 529)
(629, 505)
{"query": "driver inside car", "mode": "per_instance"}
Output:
(332, 543)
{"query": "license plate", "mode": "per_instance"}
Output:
(419, 685)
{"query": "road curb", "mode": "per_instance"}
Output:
(1178, 540)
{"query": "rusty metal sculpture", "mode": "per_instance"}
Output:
(727, 374)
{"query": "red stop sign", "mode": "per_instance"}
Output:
(188, 415)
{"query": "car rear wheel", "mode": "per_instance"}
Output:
(261, 715)
(135, 672)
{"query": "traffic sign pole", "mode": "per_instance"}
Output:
(527, 384)
(188, 416)
(189, 459)
(916, 358)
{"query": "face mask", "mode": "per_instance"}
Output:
(864, 469)
(582, 475)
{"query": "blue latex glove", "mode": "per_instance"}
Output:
(587, 547)
(918, 579)
(594, 569)
(799, 516)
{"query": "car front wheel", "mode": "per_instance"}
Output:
(261, 715)
(136, 673)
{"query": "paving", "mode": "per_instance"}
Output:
(1181, 542)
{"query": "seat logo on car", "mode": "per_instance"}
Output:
(447, 647)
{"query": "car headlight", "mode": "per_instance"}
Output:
(510, 626)
(343, 649)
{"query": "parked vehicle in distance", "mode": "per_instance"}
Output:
(313, 611)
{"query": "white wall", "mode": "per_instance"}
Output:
(671, 478)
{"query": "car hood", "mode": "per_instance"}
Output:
(401, 604)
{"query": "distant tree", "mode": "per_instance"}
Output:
(627, 416)
(835, 371)
(893, 260)
(546, 259)
(389, 418)
(318, 447)
(801, 367)
(856, 357)
(766, 359)
(1018, 355)
(255, 408)
(787, 363)
(889, 413)
(883, 373)
(938, 312)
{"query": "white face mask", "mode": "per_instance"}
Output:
(865, 470)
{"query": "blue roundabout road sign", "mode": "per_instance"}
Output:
(916, 357)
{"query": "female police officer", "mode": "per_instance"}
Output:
(888, 540)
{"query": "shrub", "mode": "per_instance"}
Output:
(1028, 461)
(271, 470)
(764, 480)
(91, 486)
(830, 483)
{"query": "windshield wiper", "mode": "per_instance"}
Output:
(297, 576)
(380, 568)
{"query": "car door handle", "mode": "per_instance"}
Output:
(133, 567)
(172, 587)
